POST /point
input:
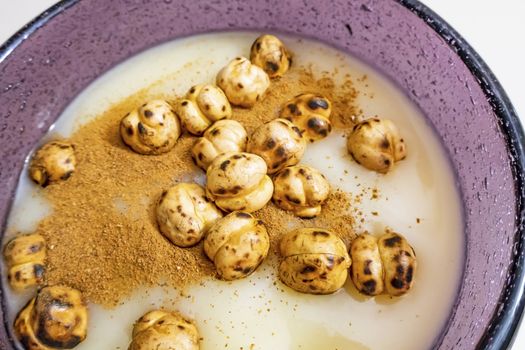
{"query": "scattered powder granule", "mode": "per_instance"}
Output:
(103, 229)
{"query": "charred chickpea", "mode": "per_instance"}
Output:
(184, 214)
(237, 244)
(152, 128)
(52, 163)
(313, 261)
(301, 189)
(55, 319)
(279, 143)
(367, 269)
(238, 181)
(399, 263)
(311, 114)
(384, 265)
(376, 144)
(25, 256)
(222, 137)
(203, 105)
(243, 83)
(164, 330)
(269, 53)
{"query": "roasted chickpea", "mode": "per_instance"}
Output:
(25, 256)
(203, 105)
(53, 162)
(237, 244)
(387, 264)
(313, 261)
(311, 114)
(301, 189)
(238, 181)
(399, 263)
(243, 83)
(269, 53)
(164, 330)
(367, 268)
(151, 129)
(55, 319)
(279, 143)
(184, 214)
(222, 137)
(375, 144)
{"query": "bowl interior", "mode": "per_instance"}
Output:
(50, 67)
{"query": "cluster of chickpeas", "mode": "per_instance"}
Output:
(243, 173)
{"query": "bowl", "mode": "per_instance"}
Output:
(45, 65)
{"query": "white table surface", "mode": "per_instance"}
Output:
(494, 28)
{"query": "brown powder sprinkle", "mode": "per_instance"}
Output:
(297, 81)
(335, 216)
(102, 235)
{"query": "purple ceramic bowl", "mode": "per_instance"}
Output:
(50, 61)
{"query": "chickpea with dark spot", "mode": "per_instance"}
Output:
(300, 189)
(56, 318)
(52, 163)
(222, 137)
(383, 265)
(238, 181)
(164, 330)
(311, 114)
(243, 82)
(269, 53)
(313, 261)
(25, 257)
(184, 215)
(367, 268)
(237, 244)
(201, 107)
(376, 144)
(279, 143)
(151, 129)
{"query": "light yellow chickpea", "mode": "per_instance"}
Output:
(238, 181)
(151, 129)
(399, 263)
(301, 189)
(383, 265)
(311, 114)
(222, 137)
(184, 214)
(55, 319)
(203, 105)
(25, 256)
(164, 330)
(269, 53)
(243, 83)
(237, 244)
(375, 144)
(367, 268)
(52, 163)
(279, 143)
(313, 261)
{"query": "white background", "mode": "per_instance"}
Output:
(495, 29)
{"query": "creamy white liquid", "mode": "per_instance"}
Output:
(259, 312)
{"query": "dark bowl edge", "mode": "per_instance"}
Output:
(16, 39)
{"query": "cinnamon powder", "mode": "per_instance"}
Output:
(102, 235)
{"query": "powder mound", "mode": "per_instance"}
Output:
(102, 235)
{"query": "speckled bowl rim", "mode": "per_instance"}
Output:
(503, 324)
